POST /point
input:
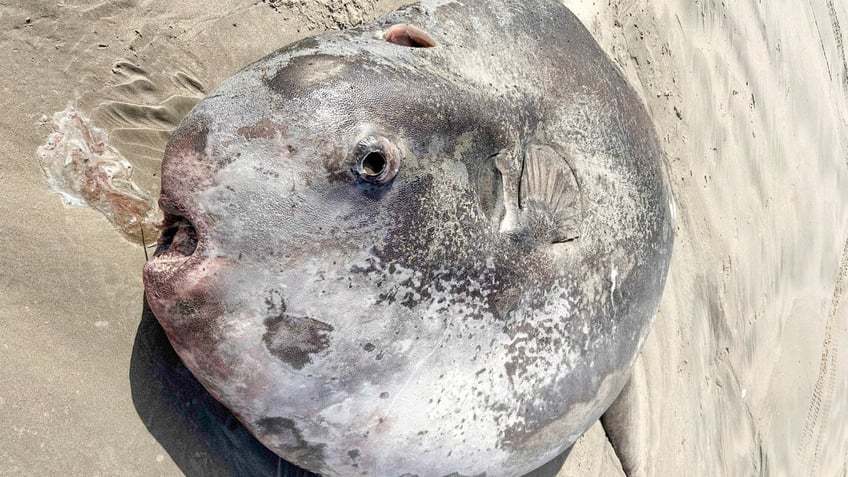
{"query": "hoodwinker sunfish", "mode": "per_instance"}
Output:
(429, 245)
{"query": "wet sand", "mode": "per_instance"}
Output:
(745, 372)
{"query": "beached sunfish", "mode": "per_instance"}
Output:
(430, 245)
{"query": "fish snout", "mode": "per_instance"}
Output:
(180, 268)
(181, 281)
(173, 259)
(178, 240)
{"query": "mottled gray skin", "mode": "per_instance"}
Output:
(437, 324)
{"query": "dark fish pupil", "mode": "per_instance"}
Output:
(374, 163)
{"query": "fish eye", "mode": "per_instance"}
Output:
(374, 163)
(376, 160)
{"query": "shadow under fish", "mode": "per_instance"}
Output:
(202, 437)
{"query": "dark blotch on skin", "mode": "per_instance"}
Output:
(304, 73)
(302, 453)
(190, 137)
(293, 339)
(264, 129)
(337, 168)
(186, 307)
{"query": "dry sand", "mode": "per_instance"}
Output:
(746, 370)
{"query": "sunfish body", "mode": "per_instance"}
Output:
(431, 245)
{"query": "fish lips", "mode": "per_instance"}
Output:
(179, 279)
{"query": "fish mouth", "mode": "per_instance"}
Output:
(178, 253)
(180, 232)
(178, 240)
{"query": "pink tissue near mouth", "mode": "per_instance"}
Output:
(81, 165)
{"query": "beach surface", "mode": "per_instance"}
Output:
(744, 373)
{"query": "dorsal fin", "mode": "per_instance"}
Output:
(408, 35)
(548, 183)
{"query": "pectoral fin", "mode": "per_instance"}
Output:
(548, 186)
(533, 193)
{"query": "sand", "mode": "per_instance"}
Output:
(745, 371)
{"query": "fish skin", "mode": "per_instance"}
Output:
(404, 329)
(201, 436)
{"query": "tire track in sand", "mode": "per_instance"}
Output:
(837, 35)
(819, 410)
